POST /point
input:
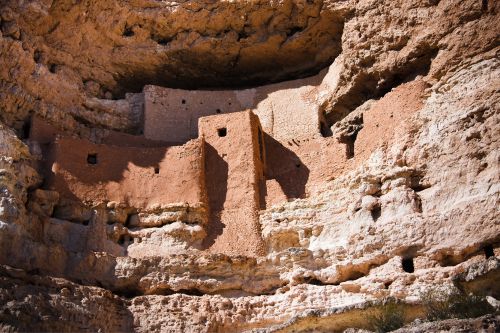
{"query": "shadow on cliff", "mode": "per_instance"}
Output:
(286, 168)
(216, 174)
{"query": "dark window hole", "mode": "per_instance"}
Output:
(183, 101)
(124, 240)
(128, 32)
(218, 111)
(376, 212)
(293, 31)
(190, 292)
(488, 251)
(315, 282)
(157, 170)
(128, 293)
(26, 129)
(325, 130)
(407, 264)
(130, 216)
(52, 68)
(37, 56)
(349, 145)
(242, 35)
(161, 40)
(92, 159)
(484, 5)
(222, 132)
(420, 187)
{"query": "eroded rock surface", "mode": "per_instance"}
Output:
(342, 152)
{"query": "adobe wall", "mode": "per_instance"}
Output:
(286, 110)
(140, 177)
(234, 178)
(296, 168)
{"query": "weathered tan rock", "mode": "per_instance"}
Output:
(367, 168)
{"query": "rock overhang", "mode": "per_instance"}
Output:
(192, 44)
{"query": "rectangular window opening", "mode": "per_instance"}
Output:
(222, 132)
(92, 159)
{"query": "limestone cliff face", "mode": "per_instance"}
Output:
(137, 194)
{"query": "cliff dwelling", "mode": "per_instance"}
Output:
(249, 166)
(200, 159)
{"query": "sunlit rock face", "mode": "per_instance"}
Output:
(231, 166)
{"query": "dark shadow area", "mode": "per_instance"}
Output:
(349, 144)
(488, 251)
(200, 67)
(324, 129)
(165, 77)
(216, 173)
(285, 166)
(316, 282)
(376, 212)
(484, 5)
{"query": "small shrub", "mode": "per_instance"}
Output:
(443, 304)
(389, 318)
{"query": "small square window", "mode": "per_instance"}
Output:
(92, 159)
(407, 264)
(157, 170)
(222, 132)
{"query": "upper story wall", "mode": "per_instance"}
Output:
(287, 110)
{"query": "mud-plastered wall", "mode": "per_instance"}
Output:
(234, 174)
(139, 177)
